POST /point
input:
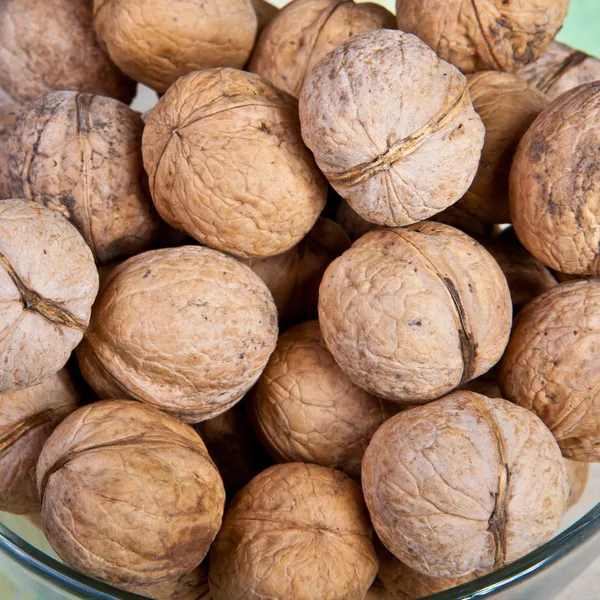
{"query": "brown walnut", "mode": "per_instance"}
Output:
(378, 592)
(410, 314)
(551, 366)
(577, 473)
(48, 283)
(351, 222)
(51, 45)
(305, 31)
(129, 494)
(305, 409)
(188, 330)
(265, 13)
(555, 184)
(464, 484)
(227, 164)
(27, 418)
(394, 167)
(9, 113)
(499, 35)
(295, 532)
(157, 41)
(79, 154)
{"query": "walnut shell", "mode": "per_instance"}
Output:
(157, 41)
(577, 473)
(305, 409)
(227, 164)
(188, 330)
(48, 283)
(295, 532)
(191, 586)
(555, 184)
(129, 494)
(51, 45)
(561, 69)
(351, 222)
(498, 35)
(507, 108)
(27, 418)
(90, 140)
(410, 314)
(265, 13)
(9, 113)
(394, 167)
(464, 484)
(305, 31)
(378, 592)
(551, 366)
(294, 276)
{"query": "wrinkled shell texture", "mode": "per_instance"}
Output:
(295, 532)
(394, 167)
(48, 283)
(306, 410)
(305, 31)
(66, 147)
(507, 108)
(51, 45)
(561, 69)
(191, 586)
(129, 494)
(258, 198)
(157, 41)
(554, 184)
(552, 367)
(188, 330)
(527, 277)
(464, 484)
(410, 314)
(294, 276)
(577, 473)
(27, 418)
(9, 113)
(498, 35)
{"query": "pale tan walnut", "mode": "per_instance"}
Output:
(305, 409)
(507, 107)
(191, 586)
(410, 314)
(295, 532)
(555, 184)
(227, 164)
(499, 35)
(561, 69)
(551, 366)
(48, 283)
(27, 418)
(294, 276)
(79, 154)
(51, 45)
(577, 473)
(9, 113)
(129, 494)
(464, 484)
(305, 31)
(157, 41)
(265, 13)
(400, 166)
(188, 330)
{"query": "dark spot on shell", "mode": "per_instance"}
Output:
(415, 323)
(538, 149)
(147, 274)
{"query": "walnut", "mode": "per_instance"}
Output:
(305, 31)
(265, 13)
(351, 222)
(551, 367)
(394, 167)
(464, 484)
(159, 41)
(555, 184)
(27, 418)
(191, 586)
(378, 592)
(476, 36)
(296, 532)
(507, 107)
(577, 473)
(561, 69)
(48, 283)
(51, 45)
(294, 276)
(410, 314)
(129, 494)
(94, 143)
(9, 113)
(188, 330)
(305, 409)
(256, 198)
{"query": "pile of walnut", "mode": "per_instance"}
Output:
(199, 269)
